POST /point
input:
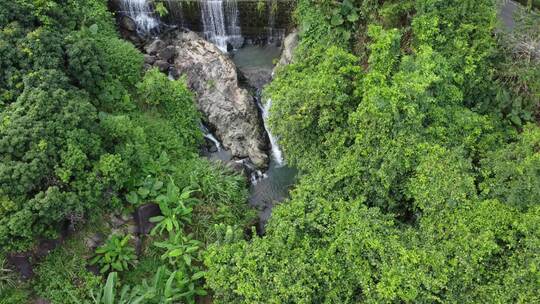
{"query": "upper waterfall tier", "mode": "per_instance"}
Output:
(142, 13)
(227, 23)
(220, 23)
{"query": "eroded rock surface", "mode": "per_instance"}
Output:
(229, 109)
(289, 45)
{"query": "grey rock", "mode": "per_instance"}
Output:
(162, 65)
(229, 109)
(132, 229)
(289, 45)
(126, 217)
(154, 47)
(173, 72)
(149, 59)
(93, 241)
(128, 24)
(257, 77)
(143, 215)
(116, 221)
(167, 53)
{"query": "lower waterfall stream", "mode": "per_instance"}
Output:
(271, 187)
(256, 64)
(220, 21)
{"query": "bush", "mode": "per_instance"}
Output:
(63, 276)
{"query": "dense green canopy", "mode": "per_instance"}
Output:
(417, 185)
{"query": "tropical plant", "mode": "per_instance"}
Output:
(180, 250)
(149, 189)
(170, 287)
(344, 12)
(176, 209)
(7, 279)
(108, 293)
(160, 8)
(115, 255)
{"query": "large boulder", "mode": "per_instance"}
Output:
(229, 109)
(289, 45)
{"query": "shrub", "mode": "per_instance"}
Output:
(115, 255)
(63, 276)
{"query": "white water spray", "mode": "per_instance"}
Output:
(276, 151)
(141, 12)
(220, 23)
(208, 135)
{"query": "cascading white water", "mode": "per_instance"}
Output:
(220, 23)
(141, 12)
(276, 151)
(273, 34)
(208, 135)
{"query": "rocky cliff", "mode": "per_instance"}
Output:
(229, 109)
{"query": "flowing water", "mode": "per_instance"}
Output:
(272, 187)
(221, 26)
(141, 12)
(220, 22)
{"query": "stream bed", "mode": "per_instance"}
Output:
(256, 64)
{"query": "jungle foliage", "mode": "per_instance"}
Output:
(85, 133)
(413, 127)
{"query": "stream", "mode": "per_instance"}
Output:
(221, 25)
(256, 63)
(271, 187)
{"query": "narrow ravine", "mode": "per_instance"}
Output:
(219, 22)
(256, 64)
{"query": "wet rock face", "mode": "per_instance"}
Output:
(289, 45)
(228, 108)
(143, 215)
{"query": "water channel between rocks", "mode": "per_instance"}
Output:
(256, 63)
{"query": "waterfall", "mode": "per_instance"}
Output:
(277, 155)
(175, 10)
(220, 23)
(273, 34)
(141, 12)
(208, 135)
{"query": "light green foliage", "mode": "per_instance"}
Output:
(311, 101)
(116, 254)
(223, 193)
(176, 208)
(511, 175)
(176, 103)
(45, 118)
(442, 180)
(344, 12)
(180, 250)
(62, 277)
(81, 133)
(103, 65)
(462, 32)
(168, 287)
(109, 293)
(421, 198)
